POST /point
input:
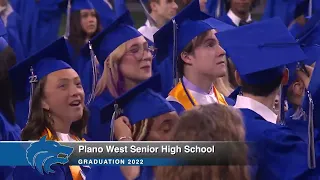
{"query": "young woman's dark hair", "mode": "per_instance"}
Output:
(40, 118)
(77, 37)
(7, 60)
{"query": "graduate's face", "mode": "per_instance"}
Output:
(163, 127)
(165, 8)
(136, 64)
(209, 57)
(203, 4)
(64, 96)
(89, 21)
(241, 6)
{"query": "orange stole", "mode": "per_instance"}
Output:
(75, 170)
(181, 96)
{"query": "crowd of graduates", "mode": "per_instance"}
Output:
(200, 71)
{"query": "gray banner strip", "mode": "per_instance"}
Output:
(156, 149)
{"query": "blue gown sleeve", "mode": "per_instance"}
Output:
(284, 156)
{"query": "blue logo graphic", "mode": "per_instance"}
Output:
(43, 154)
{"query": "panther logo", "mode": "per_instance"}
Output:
(44, 153)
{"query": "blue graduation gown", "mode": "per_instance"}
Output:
(225, 18)
(61, 173)
(40, 23)
(14, 37)
(8, 132)
(234, 94)
(278, 151)
(97, 131)
(212, 8)
(280, 8)
(230, 101)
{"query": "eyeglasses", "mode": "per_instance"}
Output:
(138, 51)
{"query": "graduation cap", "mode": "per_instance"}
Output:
(78, 5)
(37, 66)
(172, 38)
(141, 102)
(260, 52)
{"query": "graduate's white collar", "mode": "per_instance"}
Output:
(248, 103)
(235, 19)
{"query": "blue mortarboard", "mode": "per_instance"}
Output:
(140, 103)
(78, 5)
(3, 44)
(40, 64)
(261, 50)
(186, 21)
(120, 31)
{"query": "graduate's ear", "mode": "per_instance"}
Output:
(153, 6)
(237, 77)
(186, 58)
(285, 77)
(45, 105)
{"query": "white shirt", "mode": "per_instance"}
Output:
(235, 19)
(248, 103)
(65, 137)
(148, 31)
(201, 97)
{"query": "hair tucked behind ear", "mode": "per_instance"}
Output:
(214, 122)
(111, 76)
(40, 118)
(140, 130)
